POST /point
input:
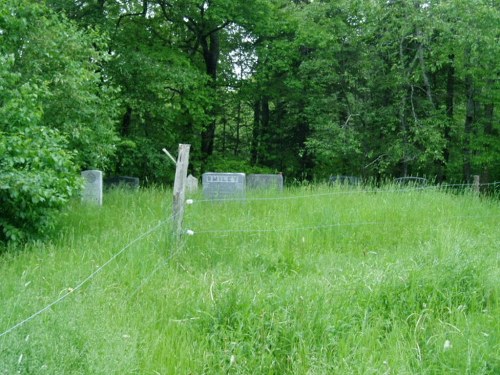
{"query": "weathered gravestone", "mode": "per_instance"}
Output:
(121, 181)
(223, 185)
(191, 184)
(265, 181)
(92, 189)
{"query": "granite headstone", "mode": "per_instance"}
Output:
(223, 185)
(92, 190)
(191, 184)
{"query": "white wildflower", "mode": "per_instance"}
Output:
(447, 345)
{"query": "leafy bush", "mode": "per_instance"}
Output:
(62, 66)
(53, 100)
(37, 173)
(141, 157)
(37, 177)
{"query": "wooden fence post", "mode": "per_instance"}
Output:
(180, 188)
(476, 184)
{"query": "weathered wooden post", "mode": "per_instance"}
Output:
(180, 188)
(476, 184)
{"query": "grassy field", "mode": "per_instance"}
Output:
(317, 280)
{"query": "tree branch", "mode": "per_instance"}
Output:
(142, 13)
(163, 6)
(218, 28)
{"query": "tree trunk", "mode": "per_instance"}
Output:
(265, 133)
(489, 110)
(238, 128)
(427, 84)
(402, 109)
(126, 122)
(404, 132)
(211, 51)
(224, 126)
(489, 131)
(450, 110)
(469, 121)
(254, 147)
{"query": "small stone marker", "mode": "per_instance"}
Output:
(265, 181)
(191, 184)
(92, 190)
(223, 185)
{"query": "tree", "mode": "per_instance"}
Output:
(413, 71)
(353, 87)
(55, 115)
(166, 59)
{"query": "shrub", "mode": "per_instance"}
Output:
(52, 100)
(37, 177)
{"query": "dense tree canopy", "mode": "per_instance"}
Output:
(308, 88)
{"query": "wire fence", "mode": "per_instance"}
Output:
(351, 191)
(443, 187)
(324, 226)
(180, 246)
(87, 279)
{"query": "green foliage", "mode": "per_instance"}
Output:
(63, 63)
(55, 116)
(37, 178)
(37, 173)
(312, 280)
(142, 157)
(236, 165)
(310, 88)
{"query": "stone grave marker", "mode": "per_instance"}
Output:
(191, 184)
(223, 185)
(92, 190)
(265, 181)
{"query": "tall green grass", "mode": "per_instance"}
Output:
(316, 280)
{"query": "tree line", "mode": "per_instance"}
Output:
(307, 88)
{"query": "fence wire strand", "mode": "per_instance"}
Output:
(268, 230)
(349, 192)
(87, 279)
(160, 265)
(323, 226)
